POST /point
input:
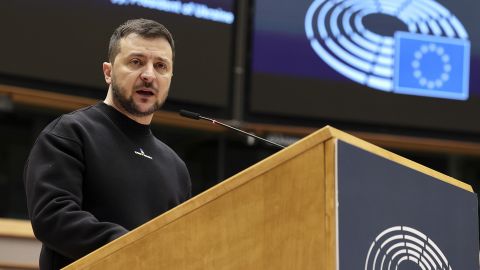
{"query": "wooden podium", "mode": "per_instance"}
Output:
(289, 211)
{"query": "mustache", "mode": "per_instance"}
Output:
(144, 85)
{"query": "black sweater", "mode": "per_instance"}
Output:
(92, 176)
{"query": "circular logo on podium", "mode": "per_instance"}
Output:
(402, 247)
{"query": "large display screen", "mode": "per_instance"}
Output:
(66, 42)
(400, 64)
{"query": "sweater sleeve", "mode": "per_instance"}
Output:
(53, 179)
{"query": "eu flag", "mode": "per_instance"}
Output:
(431, 66)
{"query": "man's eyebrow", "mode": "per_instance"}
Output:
(141, 55)
(136, 55)
(164, 59)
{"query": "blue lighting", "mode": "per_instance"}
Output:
(191, 9)
(431, 66)
(338, 36)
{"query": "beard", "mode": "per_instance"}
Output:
(129, 105)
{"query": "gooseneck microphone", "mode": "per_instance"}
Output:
(197, 116)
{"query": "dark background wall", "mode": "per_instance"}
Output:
(58, 47)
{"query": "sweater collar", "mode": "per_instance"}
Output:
(123, 122)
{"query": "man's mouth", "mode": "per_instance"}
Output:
(145, 92)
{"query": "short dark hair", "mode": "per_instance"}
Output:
(142, 27)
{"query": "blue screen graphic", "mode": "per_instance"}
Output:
(337, 33)
(190, 9)
(347, 62)
(431, 66)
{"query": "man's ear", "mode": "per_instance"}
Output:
(107, 72)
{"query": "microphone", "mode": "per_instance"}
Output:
(197, 116)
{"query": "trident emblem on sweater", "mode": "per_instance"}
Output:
(141, 153)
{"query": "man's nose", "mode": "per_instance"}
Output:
(148, 74)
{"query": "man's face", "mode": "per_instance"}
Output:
(141, 74)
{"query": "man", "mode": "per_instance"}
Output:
(98, 172)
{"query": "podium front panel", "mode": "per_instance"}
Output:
(392, 216)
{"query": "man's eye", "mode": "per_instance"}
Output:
(161, 66)
(135, 62)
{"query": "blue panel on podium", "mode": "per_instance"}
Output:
(393, 217)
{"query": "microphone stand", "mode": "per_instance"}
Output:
(197, 116)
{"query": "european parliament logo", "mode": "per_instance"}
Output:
(431, 66)
(430, 59)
